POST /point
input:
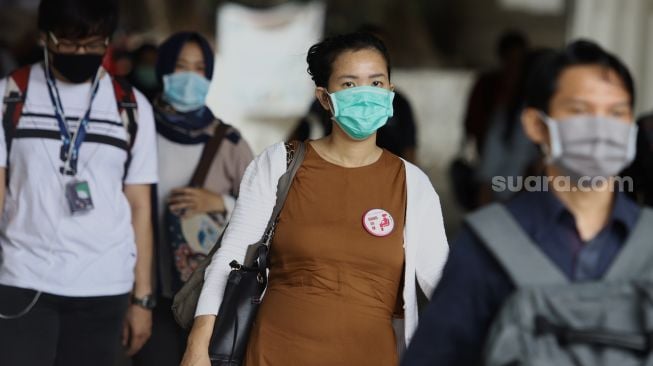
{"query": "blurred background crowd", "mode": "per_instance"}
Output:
(460, 65)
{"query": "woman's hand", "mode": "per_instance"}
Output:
(196, 357)
(188, 201)
(197, 350)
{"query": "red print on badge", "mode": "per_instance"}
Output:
(378, 222)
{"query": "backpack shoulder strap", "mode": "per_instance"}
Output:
(14, 101)
(128, 111)
(520, 257)
(636, 256)
(209, 152)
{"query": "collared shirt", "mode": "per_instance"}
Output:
(454, 326)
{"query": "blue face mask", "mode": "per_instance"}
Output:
(362, 110)
(185, 91)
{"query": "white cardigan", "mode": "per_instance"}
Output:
(425, 242)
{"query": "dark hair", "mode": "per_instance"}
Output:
(321, 56)
(78, 18)
(373, 29)
(543, 79)
(144, 49)
(170, 49)
(510, 40)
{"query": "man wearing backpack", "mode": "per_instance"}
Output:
(552, 277)
(78, 155)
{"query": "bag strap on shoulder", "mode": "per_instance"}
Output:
(128, 111)
(14, 101)
(520, 257)
(295, 152)
(294, 157)
(209, 152)
(636, 257)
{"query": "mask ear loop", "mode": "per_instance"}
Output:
(46, 59)
(632, 142)
(332, 103)
(46, 53)
(554, 149)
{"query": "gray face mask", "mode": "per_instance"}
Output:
(591, 146)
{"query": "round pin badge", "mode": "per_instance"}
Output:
(378, 222)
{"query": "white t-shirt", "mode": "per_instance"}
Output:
(177, 164)
(46, 248)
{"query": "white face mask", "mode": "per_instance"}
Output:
(591, 146)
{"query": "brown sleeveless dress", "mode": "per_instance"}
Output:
(334, 287)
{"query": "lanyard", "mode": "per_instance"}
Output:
(71, 141)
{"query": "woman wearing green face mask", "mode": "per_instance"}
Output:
(359, 230)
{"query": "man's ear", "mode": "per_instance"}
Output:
(392, 87)
(534, 127)
(322, 96)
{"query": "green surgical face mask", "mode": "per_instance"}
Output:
(146, 75)
(362, 110)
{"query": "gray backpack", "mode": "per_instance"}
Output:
(550, 321)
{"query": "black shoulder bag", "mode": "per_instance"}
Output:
(247, 281)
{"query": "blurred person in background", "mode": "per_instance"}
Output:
(78, 156)
(496, 91)
(359, 235)
(641, 171)
(7, 61)
(27, 49)
(118, 61)
(143, 73)
(579, 110)
(492, 120)
(398, 135)
(189, 214)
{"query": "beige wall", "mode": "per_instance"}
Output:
(625, 28)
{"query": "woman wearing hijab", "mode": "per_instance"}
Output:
(191, 212)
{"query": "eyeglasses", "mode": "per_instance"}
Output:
(65, 46)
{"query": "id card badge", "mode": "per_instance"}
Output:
(79, 198)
